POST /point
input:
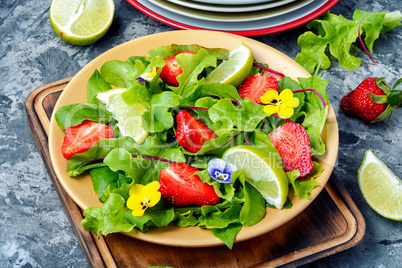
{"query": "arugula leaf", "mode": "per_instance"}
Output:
(110, 218)
(339, 34)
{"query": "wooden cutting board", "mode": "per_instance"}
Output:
(332, 223)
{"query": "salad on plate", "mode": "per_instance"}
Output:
(194, 136)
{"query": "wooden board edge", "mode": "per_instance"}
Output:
(72, 211)
(353, 235)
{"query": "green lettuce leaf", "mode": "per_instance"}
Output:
(106, 181)
(74, 114)
(192, 66)
(304, 186)
(96, 83)
(159, 118)
(228, 234)
(110, 218)
(120, 73)
(94, 156)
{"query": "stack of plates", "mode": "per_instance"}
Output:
(243, 17)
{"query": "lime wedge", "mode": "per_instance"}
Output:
(263, 172)
(380, 187)
(81, 22)
(233, 70)
(128, 117)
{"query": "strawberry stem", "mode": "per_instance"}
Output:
(312, 90)
(268, 70)
(361, 41)
(247, 140)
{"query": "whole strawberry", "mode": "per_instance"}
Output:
(372, 101)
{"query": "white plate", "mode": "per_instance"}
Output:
(230, 17)
(235, 26)
(230, 8)
(233, 2)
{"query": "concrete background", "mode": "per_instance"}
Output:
(34, 230)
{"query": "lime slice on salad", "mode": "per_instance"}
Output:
(380, 187)
(263, 172)
(81, 22)
(233, 70)
(128, 117)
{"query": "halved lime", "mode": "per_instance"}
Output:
(81, 22)
(380, 187)
(128, 117)
(263, 172)
(233, 70)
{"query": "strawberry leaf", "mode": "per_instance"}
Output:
(338, 34)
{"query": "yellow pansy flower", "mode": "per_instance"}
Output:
(148, 77)
(142, 197)
(282, 104)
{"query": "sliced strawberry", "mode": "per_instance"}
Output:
(293, 144)
(171, 70)
(81, 138)
(191, 133)
(181, 187)
(255, 86)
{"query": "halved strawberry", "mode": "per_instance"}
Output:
(191, 133)
(181, 187)
(81, 138)
(255, 86)
(293, 144)
(171, 70)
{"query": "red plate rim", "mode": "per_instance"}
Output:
(280, 28)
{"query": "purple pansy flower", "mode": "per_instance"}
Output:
(220, 170)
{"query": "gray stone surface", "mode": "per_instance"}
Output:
(34, 230)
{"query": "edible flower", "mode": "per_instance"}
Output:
(282, 104)
(220, 170)
(147, 77)
(142, 197)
